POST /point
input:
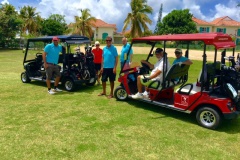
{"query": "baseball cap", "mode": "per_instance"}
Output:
(178, 50)
(97, 43)
(158, 50)
(55, 38)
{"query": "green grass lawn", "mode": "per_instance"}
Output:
(82, 125)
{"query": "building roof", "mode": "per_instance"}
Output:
(100, 23)
(225, 21)
(200, 22)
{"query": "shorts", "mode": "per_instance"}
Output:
(97, 66)
(52, 70)
(108, 73)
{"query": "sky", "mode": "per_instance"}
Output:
(115, 11)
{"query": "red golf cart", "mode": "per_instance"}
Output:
(211, 98)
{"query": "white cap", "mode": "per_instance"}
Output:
(97, 43)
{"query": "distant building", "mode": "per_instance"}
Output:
(222, 24)
(102, 30)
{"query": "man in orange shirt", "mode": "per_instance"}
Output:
(97, 60)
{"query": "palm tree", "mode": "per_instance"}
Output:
(83, 24)
(31, 19)
(138, 19)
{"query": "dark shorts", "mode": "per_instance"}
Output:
(97, 66)
(108, 73)
(52, 70)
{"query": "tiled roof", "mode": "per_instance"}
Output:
(200, 22)
(225, 21)
(101, 23)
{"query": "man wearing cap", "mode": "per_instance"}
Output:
(97, 59)
(50, 59)
(124, 52)
(156, 74)
(180, 59)
(109, 66)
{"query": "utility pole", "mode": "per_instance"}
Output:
(159, 18)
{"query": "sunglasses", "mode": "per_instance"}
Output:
(177, 53)
(108, 40)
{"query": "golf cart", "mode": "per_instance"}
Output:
(76, 67)
(211, 98)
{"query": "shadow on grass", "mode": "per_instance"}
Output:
(165, 111)
(79, 88)
(228, 126)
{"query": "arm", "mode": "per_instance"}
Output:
(115, 67)
(148, 63)
(157, 73)
(44, 60)
(187, 62)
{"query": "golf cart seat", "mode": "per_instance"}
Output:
(176, 75)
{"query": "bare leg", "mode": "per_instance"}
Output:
(139, 84)
(48, 83)
(112, 87)
(104, 87)
(57, 81)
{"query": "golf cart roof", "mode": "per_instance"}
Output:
(219, 40)
(71, 39)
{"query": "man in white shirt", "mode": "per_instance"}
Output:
(156, 73)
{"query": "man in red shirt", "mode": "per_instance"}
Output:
(97, 59)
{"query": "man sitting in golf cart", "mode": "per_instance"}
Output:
(156, 74)
(180, 59)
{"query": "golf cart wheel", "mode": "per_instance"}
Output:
(69, 84)
(208, 117)
(25, 78)
(120, 94)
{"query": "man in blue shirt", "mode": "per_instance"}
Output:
(109, 66)
(124, 52)
(50, 59)
(180, 59)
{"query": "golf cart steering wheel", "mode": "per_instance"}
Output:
(146, 67)
(38, 54)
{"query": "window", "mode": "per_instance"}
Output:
(221, 30)
(204, 29)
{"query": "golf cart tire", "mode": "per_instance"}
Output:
(208, 117)
(69, 85)
(25, 78)
(120, 94)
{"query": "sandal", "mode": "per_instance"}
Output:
(101, 94)
(110, 96)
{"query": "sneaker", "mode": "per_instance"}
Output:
(57, 90)
(51, 91)
(137, 96)
(145, 95)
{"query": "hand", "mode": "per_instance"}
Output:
(179, 63)
(130, 63)
(114, 70)
(145, 80)
(45, 65)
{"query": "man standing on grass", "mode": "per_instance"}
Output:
(124, 52)
(109, 66)
(50, 59)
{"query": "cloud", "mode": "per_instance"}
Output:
(115, 11)
(5, 2)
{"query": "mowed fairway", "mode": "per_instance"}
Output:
(81, 125)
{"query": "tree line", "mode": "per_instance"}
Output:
(28, 22)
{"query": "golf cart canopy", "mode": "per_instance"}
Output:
(219, 40)
(70, 39)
